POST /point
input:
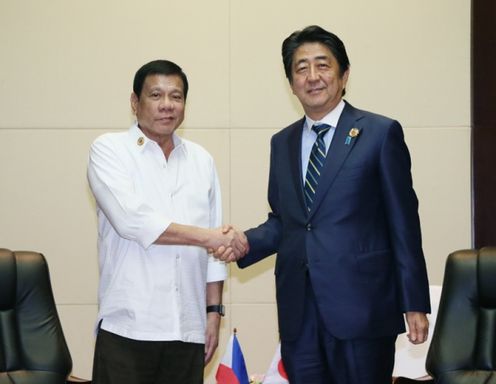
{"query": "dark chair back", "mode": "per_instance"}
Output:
(463, 347)
(32, 345)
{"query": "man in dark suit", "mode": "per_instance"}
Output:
(344, 224)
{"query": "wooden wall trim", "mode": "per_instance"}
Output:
(483, 43)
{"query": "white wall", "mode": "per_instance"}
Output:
(65, 77)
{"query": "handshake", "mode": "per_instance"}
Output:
(228, 244)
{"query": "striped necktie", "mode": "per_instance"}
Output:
(315, 163)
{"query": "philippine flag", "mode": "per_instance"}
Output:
(232, 368)
(276, 373)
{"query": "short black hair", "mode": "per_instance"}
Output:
(158, 67)
(313, 34)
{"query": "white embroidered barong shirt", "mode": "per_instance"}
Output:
(149, 291)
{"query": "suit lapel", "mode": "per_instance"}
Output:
(295, 161)
(339, 150)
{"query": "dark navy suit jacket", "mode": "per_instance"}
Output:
(360, 245)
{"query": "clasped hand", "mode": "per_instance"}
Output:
(228, 244)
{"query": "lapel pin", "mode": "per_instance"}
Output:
(141, 141)
(354, 132)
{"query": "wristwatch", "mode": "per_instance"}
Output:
(216, 308)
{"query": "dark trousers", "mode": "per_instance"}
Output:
(317, 357)
(119, 360)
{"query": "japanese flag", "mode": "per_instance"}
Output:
(276, 373)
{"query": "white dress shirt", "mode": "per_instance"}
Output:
(149, 291)
(309, 136)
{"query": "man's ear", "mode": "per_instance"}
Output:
(346, 74)
(291, 86)
(134, 103)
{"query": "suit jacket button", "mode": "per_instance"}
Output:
(309, 227)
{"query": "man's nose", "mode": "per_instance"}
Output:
(313, 73)
(165, 103)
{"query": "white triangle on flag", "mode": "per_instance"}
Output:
(232, 368)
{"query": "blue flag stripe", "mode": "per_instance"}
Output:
(238, 363)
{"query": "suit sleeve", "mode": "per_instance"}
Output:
(404, 224)
(264, 239)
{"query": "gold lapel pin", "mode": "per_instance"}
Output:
(354, 132)
(351, 134)
(141, 141)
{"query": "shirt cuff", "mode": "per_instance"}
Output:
(149, 233)
(216, 270)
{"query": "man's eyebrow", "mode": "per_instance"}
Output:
(305, 60)
(301, 61)
(322, 57)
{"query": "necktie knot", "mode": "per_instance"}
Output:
(321, 129)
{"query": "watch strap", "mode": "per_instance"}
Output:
(216, 308)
